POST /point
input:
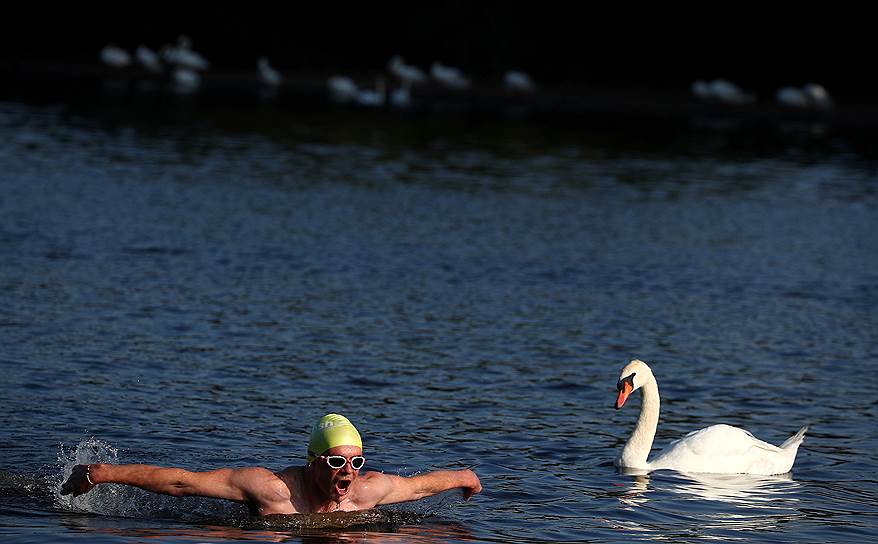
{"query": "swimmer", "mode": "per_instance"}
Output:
(330, 481)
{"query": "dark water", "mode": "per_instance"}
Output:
(194, 288)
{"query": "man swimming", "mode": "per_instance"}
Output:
(329, 482)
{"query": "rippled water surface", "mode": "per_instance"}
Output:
(194, 288)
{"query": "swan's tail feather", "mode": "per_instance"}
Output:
(796, 439)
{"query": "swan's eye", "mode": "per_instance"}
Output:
(627, 379)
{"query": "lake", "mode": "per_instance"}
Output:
(191, 284)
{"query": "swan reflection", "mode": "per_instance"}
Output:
(759, 502)
(743, 489)
(737, 501)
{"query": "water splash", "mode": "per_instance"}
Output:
(127, 501)
(88, 451)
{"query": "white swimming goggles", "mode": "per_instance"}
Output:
(337, 462)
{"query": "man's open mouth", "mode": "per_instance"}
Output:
(342, 486)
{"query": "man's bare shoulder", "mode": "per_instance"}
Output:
(372, 476)
(269, 492)
(254, 472)
(254, 475)
(371, 487)
(261, 481)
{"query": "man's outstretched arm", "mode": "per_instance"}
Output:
(225, 483)
(388, 489)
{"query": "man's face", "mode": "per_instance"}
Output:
(337, 482)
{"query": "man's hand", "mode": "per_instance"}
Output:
(78, 482)
(475, 486)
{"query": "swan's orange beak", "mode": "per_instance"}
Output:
(625, 389)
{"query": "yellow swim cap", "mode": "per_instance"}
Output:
(330, 431)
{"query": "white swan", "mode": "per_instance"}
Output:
(185, 81)
(341, 88)
(449, 76)
(809, 96)
(372, 98)
(720, 449)
(405, 72)
(148, 59)
(792, 97)
(727, 92)
(183, 56)
(818, 96)
(115, 57)
(267, 74)
(701, 89)
(401, 97)
(516, 81)
(721, 90)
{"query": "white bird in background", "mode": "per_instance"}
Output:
(516, 81)
(449, 76)
(401, 97)
(267, 74)
(719, 449)
(405, 72)
(792, 97)
(373, 98)
(727, 92)
(115, 56)
(183, 56)
(818, 96)
(148, 59)
(186, 80)
(341, 88)
(721, 90)
(809, 96)
(701, 89)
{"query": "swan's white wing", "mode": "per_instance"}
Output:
(722, 449)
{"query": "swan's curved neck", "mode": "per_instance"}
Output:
(637, 448)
